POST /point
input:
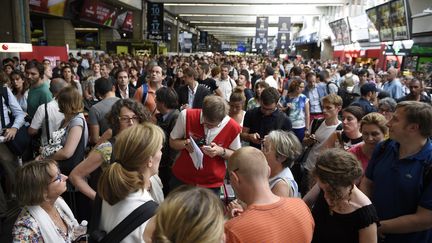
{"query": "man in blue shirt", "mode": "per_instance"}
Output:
(393, 86)
(368, 93)
(395, 177)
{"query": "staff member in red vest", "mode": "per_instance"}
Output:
(215, 133)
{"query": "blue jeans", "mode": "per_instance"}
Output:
(299, 132)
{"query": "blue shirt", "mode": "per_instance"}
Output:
(398, 186)
(17, 112)
(365, 105)
(394, 88)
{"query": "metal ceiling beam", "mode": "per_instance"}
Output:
(258, 10)
(266, 2)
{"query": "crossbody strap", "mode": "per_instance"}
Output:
(48, 134)
(3, 122)
(131, 222)
(144, 93)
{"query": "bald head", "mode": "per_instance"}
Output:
(249, 163)
(392, 73)
(56, 85)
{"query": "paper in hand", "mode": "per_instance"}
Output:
(197, 155)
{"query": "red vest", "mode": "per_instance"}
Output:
(213, 172)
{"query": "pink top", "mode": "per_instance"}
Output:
(358, 152)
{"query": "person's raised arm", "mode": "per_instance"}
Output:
(83, 170)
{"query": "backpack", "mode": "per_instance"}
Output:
(347, 97)
(144, 93)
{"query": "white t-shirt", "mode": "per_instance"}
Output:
(112, 215)
(271, 82)
(55, 117)
(179, 130)
(226, 86)
(321, 135)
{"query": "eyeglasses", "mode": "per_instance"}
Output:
(57, 178)
(127, 119)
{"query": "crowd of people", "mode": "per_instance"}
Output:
(314, 151)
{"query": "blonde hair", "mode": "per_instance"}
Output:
(377, 119)
(133, 149)
(32, 181)
(285, 144)
(333, 99)
(189, 214)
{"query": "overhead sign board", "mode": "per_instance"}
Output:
(155, 21)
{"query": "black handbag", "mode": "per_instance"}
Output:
(22, 139)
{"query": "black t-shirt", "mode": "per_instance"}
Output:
(209, 83)
(263, 125)
(334, 227)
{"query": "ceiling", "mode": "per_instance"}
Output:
(233, 21)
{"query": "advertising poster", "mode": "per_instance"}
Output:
(51, 7)
(384, 21)
(373, 25)
(346, 32)
(398, 20)
(284, 26)
(359, 27)
(261, 41)
(335, 27)
(332, 26)
(99, 13)
(155, 21)
(124, 21)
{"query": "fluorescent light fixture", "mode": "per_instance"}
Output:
(87, 29)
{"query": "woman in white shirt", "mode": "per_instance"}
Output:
(124, 185)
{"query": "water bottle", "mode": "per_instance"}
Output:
(81, 231)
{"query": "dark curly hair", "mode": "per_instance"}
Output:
(339, 169)
(137, 108)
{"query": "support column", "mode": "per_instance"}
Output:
(137, 34)
(15, 21)
(104, 36)
(60, 32)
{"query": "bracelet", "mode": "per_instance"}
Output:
(224, 152)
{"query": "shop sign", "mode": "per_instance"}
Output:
(16, 47)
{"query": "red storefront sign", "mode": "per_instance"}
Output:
(51, 53)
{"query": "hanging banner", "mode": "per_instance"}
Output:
(99, 13)
(284, 26)
(203, 37)
(399, 20)
(385, 28)
(52, 7)
(373, 25)
(261, 35)
(346, 32)
(341, 31)
(155, 21)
